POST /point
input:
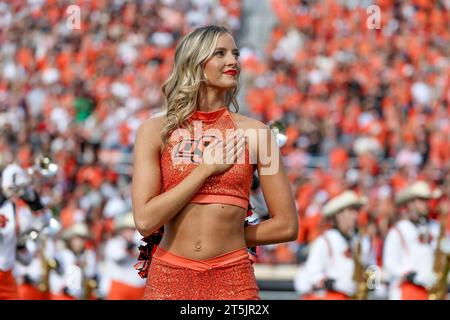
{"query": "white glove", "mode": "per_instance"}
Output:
(428, 280)
(347, 287)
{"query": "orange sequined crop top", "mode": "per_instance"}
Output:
(178, 159)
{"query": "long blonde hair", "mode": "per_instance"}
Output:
(182, 87)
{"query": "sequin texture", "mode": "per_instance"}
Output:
(235, 182)
(181, 281)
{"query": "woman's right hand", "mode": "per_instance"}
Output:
(218, 158)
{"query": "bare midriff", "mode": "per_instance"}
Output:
(204, 231)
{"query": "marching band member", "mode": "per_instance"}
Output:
(33, 278)
(29, 275)
(75, 276)
(329, 268)
(20, 210)
(408, 253)
(120, 255)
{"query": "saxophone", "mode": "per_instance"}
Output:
(88, 284)
(47, 265)
(360, 274)
(441, 266)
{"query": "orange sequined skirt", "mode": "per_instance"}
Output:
(226, 277)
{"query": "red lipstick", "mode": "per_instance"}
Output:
(231, 72)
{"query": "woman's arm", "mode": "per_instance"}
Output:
(283, 223)
(152, 209)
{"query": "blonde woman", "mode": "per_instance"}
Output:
(196, 186)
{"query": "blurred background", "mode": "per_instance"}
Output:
(364, 109)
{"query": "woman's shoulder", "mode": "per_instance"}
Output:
(246, 122)
(150, 130)
(152, 125)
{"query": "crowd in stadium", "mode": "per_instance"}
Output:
(364, 109)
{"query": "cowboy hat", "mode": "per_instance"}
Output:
(124, 221)
(419, 189)
(76, 230)
(345, 200)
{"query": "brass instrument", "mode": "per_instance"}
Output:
(88, 284)
(47, 168)
(441, 266)
(360, 273)
(44, 166)
(47, 264)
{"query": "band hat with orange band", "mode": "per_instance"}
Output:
(124, 222)
(76, 230)
(419, 189)
(347, 199)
